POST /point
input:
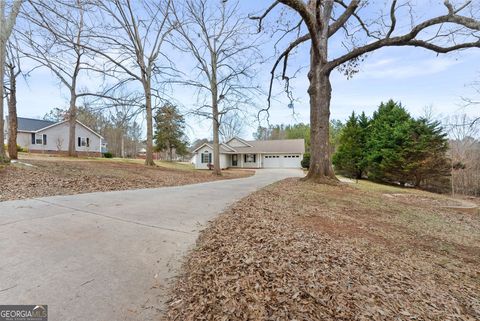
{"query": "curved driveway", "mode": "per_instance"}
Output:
(108, 256)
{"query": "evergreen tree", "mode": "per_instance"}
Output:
(169, 130)
(350, 157)
(402, 149)
(388, 143)
(426, 157)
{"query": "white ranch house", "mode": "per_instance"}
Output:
(43, 136)
(239, 153)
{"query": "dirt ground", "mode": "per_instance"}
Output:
(302, 251)
(39, 175)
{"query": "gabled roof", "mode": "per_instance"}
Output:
(81, 124)
(295, 146)
(32, 125)
(35, 125)
(223, 148)
(239, 139)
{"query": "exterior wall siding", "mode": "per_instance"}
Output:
(236, 143)
(224, 159)
(57, 140)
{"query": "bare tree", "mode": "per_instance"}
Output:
(218, 39)
(231, 125)
(465, 154)
(473, 102)
(13, 69)
(363, 32)
(130, 39)
(6, 26)
(54, 40)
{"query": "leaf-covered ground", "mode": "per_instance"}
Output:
(47, 176)
(301, 251)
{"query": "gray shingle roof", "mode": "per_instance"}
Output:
(273, 146)
(32, 125)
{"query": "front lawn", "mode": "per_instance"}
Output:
(301, 251)
(39, 175)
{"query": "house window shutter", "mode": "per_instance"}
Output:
(88, 142)
(33, 138)
(254, 158)
(79, 142)
(245, 158)
(44, 139)
(210, 158)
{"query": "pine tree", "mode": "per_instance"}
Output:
(169, 130)
(426, 157)
(388, 142)
(404, 150)
(350, 156)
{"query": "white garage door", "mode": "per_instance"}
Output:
(282, 161)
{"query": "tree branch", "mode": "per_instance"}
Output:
(409, 39)
(265, 13)
(349, 11)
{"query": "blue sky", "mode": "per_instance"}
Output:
(416, 77)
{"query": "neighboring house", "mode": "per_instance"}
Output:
(43, 136)
(236, 152)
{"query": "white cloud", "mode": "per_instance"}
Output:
(402, 69)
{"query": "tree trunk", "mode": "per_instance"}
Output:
(216, 125)
(216, 144)
(216, 140)
(12, 116)
(148, 107)
(320, 90)
(72, 122)
(3, 155)
(122, 145)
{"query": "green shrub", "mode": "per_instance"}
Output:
(108, 155)
(306, 160)
(20, 148)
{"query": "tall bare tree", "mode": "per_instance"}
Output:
(363, 31)
(7, 23)
(219, 40)
(130, 38)
(55, 40)
(12, 66)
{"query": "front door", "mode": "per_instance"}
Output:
(234, 160)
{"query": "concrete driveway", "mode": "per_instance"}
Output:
(108, 256)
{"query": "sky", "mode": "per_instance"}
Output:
(417, 78)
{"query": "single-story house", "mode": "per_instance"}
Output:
(239, 153)
(43, 136)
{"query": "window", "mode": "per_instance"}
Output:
(250, 158)
(206, 157)
(83, 142)
(39, 139)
